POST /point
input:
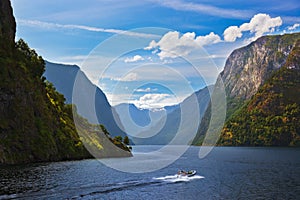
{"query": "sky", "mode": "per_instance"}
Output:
(151, 53)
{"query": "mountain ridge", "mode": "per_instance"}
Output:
(66, 77)
(272, 116)
(246, 71)
(247, 67)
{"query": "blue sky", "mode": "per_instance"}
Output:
(184, 50)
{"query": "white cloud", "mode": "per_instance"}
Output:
(118, 98)
(127, 78)
(207, 9)
(146, 90)
(232, 33)
(295, 26)
(49, 25)
(258, 25)
(143, 90)
(211, 38)
(155, 101)
(173, 45)
(134, 59)
(130, 77)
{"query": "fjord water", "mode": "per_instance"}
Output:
(226, 173)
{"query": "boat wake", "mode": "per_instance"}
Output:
(170, 179)
(177, 178)
(96, 190)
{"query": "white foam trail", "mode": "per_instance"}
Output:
(175, 178)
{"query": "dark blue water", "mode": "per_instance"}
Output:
(226, 173)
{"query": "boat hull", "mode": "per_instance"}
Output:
(187, 174)
(191, 173)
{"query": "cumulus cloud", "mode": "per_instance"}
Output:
(134, 59)
(155, 101)
(173, 45)
(258, 25)
(211, 38)
(295, 26)
(232, 33)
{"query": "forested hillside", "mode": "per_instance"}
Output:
(261, 73)
(35, 123)
(272, 116)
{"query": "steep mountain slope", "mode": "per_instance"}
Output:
(35, 123)
(272, 116)
(247, 69)
(64, 76)
(7, 27)
(31, 126)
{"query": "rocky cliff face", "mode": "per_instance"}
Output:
(272, 116)
(247, 68)
(7, 23)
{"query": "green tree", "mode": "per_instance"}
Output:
(118, 139)
(102, 127)
(126, 140)
(28, 57)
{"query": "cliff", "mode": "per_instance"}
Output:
(7, 25)
(35, 123)
(247, 69)
(272, 116)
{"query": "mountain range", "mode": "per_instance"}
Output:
(246, 71)
(178, 125)
(144, 126)
(261, 83)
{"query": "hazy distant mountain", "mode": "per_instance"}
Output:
(136, 120)
(184, 114)
(63, 77)
(142, 117)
